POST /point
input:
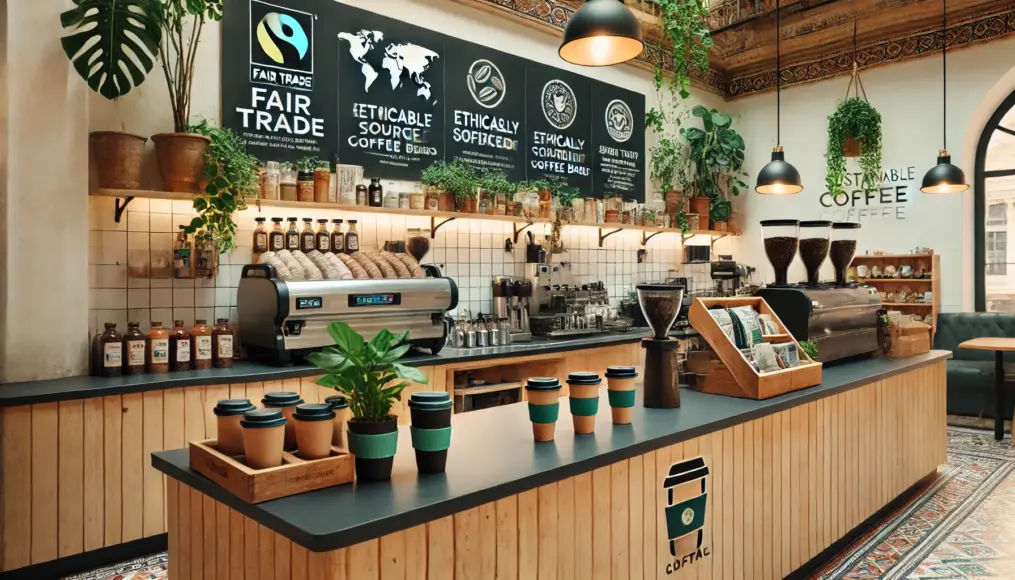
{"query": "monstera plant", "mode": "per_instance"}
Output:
(113, 45)
(717, 152)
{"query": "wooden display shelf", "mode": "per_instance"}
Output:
(903, 304)
(895, 280)
(743, 380)
(932, 263)
(446, 216)
(894, 257)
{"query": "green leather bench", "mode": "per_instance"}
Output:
(971, 372)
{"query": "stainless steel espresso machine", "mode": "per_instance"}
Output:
(511, 303)
(285, 319)
(840, 317)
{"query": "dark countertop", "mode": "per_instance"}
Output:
(86, 387)
(493, 456)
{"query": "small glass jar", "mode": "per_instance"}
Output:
(433, 198)
(391, 199)
(376, 190)
(201, 337)
(352, 238)
(270, 184)
(417, 199)
(276, 239)
(287, 183)
(157, 349)
(545, 203)
(307, 238)
(322, 241)
(260, 241)
(133, 349)
(222, 344)
(591, 210)
(361, 195)
(292, 236)
(500, 204)
(305, 186)
(322, 183)
(337, 237)
(627, 212)
(404, 201)
(179, 348)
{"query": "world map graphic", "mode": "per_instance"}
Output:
(398, 58)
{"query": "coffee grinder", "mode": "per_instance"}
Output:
(660, 304)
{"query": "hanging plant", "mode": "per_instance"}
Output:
(854, 119)
(685, 28)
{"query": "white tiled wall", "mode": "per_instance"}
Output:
(469, 250)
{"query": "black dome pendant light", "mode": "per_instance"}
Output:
(944, 177)
(601, 33)
(778, 177)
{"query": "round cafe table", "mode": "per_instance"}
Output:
(999, 345)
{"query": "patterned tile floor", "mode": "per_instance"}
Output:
(962, 526)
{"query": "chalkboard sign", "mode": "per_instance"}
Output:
(558, 139)
(618, 139)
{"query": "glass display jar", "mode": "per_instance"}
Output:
(613, 205)
(157, 349)
(843, 248)
(814, 241)
(222, 344)
(782, 238)
(201, 336)
(271, 182)
(417, 199)
(287, 183)
(322, 183)
(305, 186)
(180, 348)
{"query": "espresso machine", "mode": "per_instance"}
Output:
(840, 317)
(511, 303)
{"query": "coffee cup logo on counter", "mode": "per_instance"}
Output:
(686, 487)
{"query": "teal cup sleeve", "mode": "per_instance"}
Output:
(379, 446)
(430, 439)
(621, 399)
(544, 413)
(584, 407)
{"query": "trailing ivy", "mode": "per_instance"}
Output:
(685, 28)
(854, 118)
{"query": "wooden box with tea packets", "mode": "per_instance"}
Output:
(736, 328)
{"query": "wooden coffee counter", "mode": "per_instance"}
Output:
(786, 479)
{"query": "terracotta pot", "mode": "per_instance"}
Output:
(702, 222)
(181, 160)
(733, 224)
(700, 205)
(720, 226)
(118, 158)
(446, 201)
(673, 202)
(467, 205)
(851, 148)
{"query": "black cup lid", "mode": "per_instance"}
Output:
(780, 223)
(542, 384)
(337, 402)
(430, 401)
(845, 226)
(231, 407)
(262, 419)
(314, 412)
(815, 224)
(621, 373)
(582, 378)
(281, 399)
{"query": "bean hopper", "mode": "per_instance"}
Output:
(660, 304)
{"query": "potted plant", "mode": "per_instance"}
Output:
(543, 191)
(181, 153)
(855, 124)
(100, 44)
(305, 168)
(369, 375)
(461, 182)
(436, 178)
(231, 180)
(499, 188)
(669, 164)
(686, 39)
(564, 197)
(717, 152)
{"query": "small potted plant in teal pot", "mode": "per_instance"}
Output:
(369, 375)
(431, 430)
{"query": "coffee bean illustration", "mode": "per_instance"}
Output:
(487, 94)
(483, 74)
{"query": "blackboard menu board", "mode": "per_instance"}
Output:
(318, 77)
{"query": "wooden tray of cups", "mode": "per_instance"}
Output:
(742, 380)
(293, 477)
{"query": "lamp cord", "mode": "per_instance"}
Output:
(778, 78)
(944, 70)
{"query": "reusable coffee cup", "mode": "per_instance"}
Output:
(543, 394)
(686, 487)
(620, 382)
(263, 437)
(430, 430)
(229, 413)
(315, 426)
(286, 402)
(584, 399)
(342, 415)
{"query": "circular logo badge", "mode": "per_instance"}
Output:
(559, 104)
(687, 516)
(486, 83)
(619, 120)
(275, 29)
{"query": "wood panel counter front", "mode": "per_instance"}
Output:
(779, 480)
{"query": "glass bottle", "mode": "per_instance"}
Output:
(322, 183)
(305, 185)
(323, 242)
(260, 238)
(276, 239)
(157, 349)
(182, 255)
(110, 361)
(337, 237)
(133, 349)
(376, 193)
(351, 238)
(272, 178)
(179, 348)
(222, 344)
(201, 337)
(307, 238)
(287, 183)
(361, 195)
(292, 236)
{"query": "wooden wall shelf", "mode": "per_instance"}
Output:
(886, 285)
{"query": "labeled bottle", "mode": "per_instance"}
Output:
(323, 243)
(110, 361)
(260, 238)
(276, 239)
(361, 195)
(157, 349)
(351, 238)
(287, 183)
(307, 238)
(179, 348)
(133, 349)
(200, 336)
(222, 344)
(337, 237)
(182, 253)
(376, 193)
(292, 236)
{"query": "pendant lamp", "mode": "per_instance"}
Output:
(944, 177)
(601, 33)
(778, 177)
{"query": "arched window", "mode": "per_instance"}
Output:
(995, 212)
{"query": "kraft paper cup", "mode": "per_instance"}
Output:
(686, 487)
(230, 435)
(544, 406)
(286, 402)
(621, 383)
(342, 415)
(315, 426)
(584, 400)
(263, 438)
